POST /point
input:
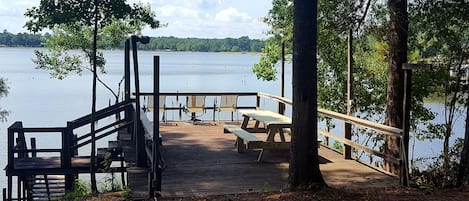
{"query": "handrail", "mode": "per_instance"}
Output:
(387, 130)
(200, 93)
(277, 98)
(101, 129)
(103, 113)
(107, 133)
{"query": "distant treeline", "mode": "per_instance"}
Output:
(21, 39)
(242, 44)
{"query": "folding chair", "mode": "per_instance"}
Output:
(195, 104)
(228, 103)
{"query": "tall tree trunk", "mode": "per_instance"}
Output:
(94, 187)
(395, 90)
(304, 160)
(464, 161)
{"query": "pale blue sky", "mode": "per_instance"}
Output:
(185, 18)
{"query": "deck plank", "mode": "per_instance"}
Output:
(202, 160)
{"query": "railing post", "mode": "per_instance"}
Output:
(140, 138)
(258, 101)
(348, 126)
(406, 127)
(348, 135)
(127, 76)
(33, 148)
(156, 129)
(66, 159)
(281, 108)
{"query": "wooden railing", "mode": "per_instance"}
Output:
(365, 124)
(69, 142)
(362, 123)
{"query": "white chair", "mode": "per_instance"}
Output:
(195, 104)
(162, 105)
(228, 103)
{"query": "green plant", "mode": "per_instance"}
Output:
(266, 187)
(109, 184)
(338, 146)
(126, 192)
(439, 174)
(79, 191)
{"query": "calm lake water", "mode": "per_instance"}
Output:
(37, 100)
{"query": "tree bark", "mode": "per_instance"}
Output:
(94, 188)
(395, 89)
(304, 160)
(464, 161)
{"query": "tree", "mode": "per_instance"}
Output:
(304, 159)
(3, 93)
(80, 19)
(442, 38)
(398, 27)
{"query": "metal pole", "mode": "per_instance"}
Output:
(348, 126)
(156, 126)
(139, 137)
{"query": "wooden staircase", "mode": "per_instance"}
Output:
(47, 187)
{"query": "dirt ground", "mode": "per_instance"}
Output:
(378, 194)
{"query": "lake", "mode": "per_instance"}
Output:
(37, 100)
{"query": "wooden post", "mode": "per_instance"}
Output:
(67, 141)
(258, 101)
(404, 170)
(281, 106)
(347, 126)
(406, 127)
(127, 76)
(156, 128)
(33, 148)
(139, 136)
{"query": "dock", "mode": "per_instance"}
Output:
(202, 160)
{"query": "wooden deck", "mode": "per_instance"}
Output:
(202, 160)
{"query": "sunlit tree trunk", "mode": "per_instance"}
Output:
(304, 162)
(395, 90)
(464, 162)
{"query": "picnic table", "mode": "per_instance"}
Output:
(267, 122)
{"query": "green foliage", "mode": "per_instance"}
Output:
(49, 14)
(266, 187)
(111, 37)
(440, 34)
(80, 191)
(72, 24)
(438, 174)
(126, 193)
(280, 19)
(338, 146)
(242, 44)
(21, 39)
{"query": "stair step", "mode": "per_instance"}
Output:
(50, 177)
(51, 185)
(124, 136)
(114, 144)
(47, 187)
(51, 190)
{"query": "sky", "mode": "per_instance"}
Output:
(184, 18)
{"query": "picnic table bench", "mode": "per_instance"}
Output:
(267, 122)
